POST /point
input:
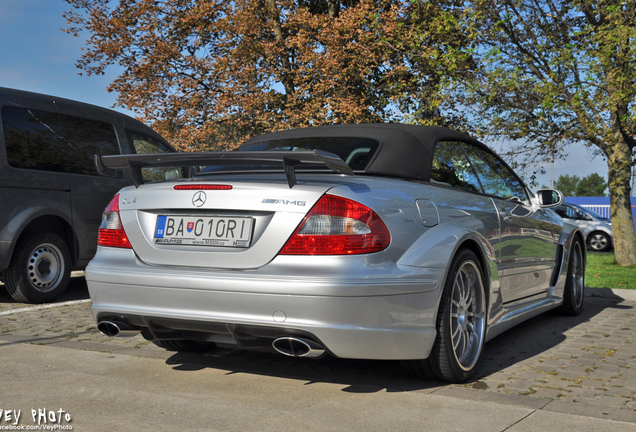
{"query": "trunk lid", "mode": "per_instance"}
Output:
(240, 228)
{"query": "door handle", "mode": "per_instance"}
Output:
(505, 215)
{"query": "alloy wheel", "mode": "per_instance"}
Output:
(577, 275)
(467, 315)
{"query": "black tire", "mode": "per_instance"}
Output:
(40, 268)
(599, 241)
(574, 293)
(189, 346)
(461, 324)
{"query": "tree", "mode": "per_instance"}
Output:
(592, 185)
(557, 72)
(567, 184)
(208, 74)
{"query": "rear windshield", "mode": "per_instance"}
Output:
(356, 152)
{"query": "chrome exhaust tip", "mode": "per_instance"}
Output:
(114, 329)
(295, 347)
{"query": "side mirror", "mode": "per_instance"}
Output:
(549, 198)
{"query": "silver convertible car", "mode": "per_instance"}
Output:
(378, 241)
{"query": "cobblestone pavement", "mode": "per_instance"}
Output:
(583, 365)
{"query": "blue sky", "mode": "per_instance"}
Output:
(36, 55)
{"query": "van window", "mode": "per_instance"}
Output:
(144, 144)
(46, 141)
(33, 139)
(85, 139)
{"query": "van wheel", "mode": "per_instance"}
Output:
(40, 268)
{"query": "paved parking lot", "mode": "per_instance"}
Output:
(581, 366)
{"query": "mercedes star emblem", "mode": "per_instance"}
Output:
(199, 199)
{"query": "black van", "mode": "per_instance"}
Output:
(51, 196)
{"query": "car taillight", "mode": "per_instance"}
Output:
(338, 226)
(111, 232)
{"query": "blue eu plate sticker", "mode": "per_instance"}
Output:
(161, 226)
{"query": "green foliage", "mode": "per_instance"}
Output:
(592, 185)
(567, 184)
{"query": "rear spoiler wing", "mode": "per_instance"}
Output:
(106, 165)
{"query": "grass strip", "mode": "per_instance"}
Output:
(603, 272)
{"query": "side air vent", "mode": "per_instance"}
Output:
(558, 266)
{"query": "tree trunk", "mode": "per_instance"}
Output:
(286, 72)
(620, 170)
(333, 8)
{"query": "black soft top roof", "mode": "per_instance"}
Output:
(405, 150)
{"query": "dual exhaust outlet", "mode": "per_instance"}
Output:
(289, 346)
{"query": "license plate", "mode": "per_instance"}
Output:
(224, 231)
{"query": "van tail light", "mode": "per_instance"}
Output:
(338, 226)
(111, 232)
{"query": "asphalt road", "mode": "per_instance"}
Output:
(550, 373)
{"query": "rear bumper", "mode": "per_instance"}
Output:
(370, 312)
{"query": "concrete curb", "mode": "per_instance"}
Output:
(611, 293)
(44, 306)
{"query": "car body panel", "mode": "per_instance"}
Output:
(503, 317)
(273, 223)
(41, 203)
(527, 250)
(332, 298)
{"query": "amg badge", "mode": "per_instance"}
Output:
(282, 201)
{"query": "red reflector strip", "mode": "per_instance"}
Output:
(202, 187)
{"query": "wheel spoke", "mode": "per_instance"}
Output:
(454, 332)
(576, 263)
(460, 340)
(464, 343)
(468, 291)
(469, 328)
(459, 285)
(456, 340)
